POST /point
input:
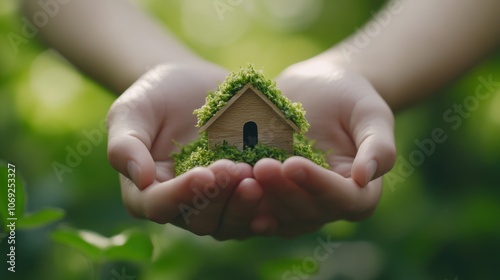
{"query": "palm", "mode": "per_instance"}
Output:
(158, 109)
(169, 118)
(145, 122)
(340, 107)
(349, 119)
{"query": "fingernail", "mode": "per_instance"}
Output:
(134, 171)
(371, 168)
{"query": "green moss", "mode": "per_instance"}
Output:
(304, 147)
(237, 80)
(198, 153)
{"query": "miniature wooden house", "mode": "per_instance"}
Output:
(248, 118)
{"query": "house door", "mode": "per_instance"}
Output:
(250, 136)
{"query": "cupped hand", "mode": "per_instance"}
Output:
(348, 118)
(143, 124)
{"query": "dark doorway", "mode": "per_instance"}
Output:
(250, 136)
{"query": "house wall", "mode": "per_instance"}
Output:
(272, 130)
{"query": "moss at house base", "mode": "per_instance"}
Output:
(198, 153)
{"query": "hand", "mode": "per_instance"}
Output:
(143, 123)
(347, 117)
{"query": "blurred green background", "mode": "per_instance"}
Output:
(438, 217)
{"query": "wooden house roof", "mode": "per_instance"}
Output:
(259, 94)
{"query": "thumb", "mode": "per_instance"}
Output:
(129, 145)
(373, 134)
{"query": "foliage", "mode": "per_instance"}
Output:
(40, 218)
(304, 147)
(198, 153)
(130, 245)
(237, 80)
(23, 220)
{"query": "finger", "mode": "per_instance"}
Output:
(129, 156)
(240, 210)
(163, 202)
(129, 143)
(341, 196)
(372, 126)
(264, 223)
(297, 203)
(211, 199)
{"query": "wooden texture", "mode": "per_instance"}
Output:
(249, 105)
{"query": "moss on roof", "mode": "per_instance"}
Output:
(237, 80)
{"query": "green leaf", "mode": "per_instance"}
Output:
(130, 245)
(276, 269)
(12, 197)
(40, 218)
(87, 242)
(136, 246)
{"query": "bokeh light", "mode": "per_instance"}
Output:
(53, 83)
(288, 15)
(206, 23)
(495, 108)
